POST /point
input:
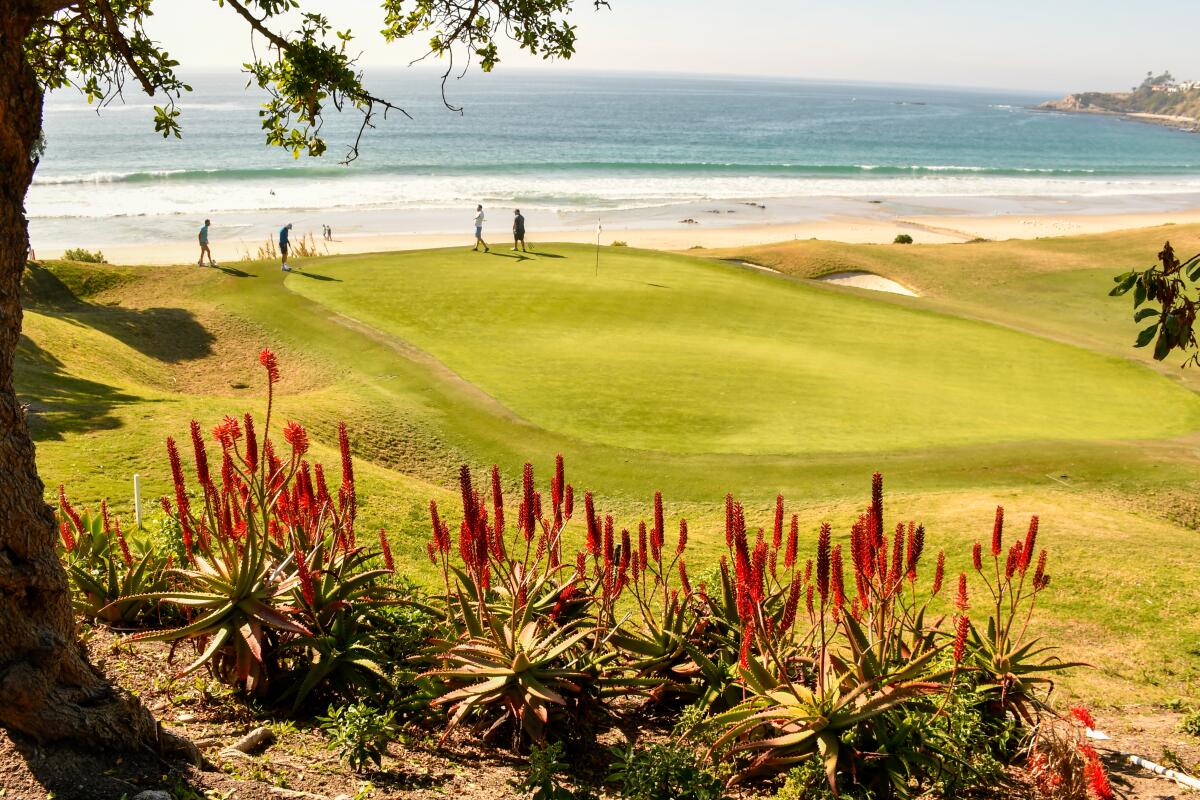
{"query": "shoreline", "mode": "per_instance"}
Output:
(850, 229)
(1179, 123)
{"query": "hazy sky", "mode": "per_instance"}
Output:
(1048, 46)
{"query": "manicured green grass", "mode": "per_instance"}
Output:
(669, 354)
(1010, 381)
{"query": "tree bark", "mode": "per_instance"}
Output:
(48, 689)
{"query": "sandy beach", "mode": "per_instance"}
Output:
(926, 229)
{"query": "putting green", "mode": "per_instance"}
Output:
(668, 353)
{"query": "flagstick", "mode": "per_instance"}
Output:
(598, 229)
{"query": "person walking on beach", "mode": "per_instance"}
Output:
(283, 245)
(204, 246)
(479, 230)
(518, 231)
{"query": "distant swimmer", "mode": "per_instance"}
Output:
(283, 245)
(479, 230)
(204, 246)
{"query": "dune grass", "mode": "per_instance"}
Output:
(1010, 381)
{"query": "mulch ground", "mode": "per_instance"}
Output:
(298, 765)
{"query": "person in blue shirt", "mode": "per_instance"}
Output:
(283, 245)
(204, 246)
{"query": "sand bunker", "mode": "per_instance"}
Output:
(867, 280)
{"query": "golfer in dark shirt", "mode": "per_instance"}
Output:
(518, 231)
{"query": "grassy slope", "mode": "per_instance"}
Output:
(116, 359)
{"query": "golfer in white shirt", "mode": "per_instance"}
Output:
(479, 230)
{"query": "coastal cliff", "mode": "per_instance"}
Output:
(1158, 104)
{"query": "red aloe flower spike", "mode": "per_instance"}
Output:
(202, 474)
(939, 572)
(1039, 574)
(808, 601)
(227, 432)
(876, 515)
(758, 570)
(772, 560)
(789, 557)
(960, 637)
(681, 545)
(569, 501)
(251, 458)
(558, 482)
(347, 461)
(823, 562)
(497, 501)
(998, 531)
(306, 584)
(580, 565)
(528, 511)
(181, 499)
(626, 551)
(67, 510)
(658, 531)
(916, 548)
(125, 554)
(1094, 773)
(104, 523)
(271, 364)
(468, 493)
(961, 601)
(897, 555)
(608, 542)
(1030, 541)
(683, 578)
(643, 553)
(747, 641)
(1014, 560)
(1084, 716)
(777, 531)
(729, 521)
(977, 557)
(435, 522)
(295, 435)
(839, 589)
(808, 567)
(64, 530)
(593, 529)
(655, 544)
(789, 608)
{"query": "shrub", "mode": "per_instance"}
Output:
(542, 781)
(524, 650)
(902, 238)
(359, 733)
(109, 576)
(86, 256)
(872, 667)
(1190, 724)
(663, 772)
(271, 577)
(619, 243)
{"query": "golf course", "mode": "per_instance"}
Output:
(1010, 379)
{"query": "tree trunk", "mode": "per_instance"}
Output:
(48, 689)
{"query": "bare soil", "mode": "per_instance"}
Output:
(298, 765)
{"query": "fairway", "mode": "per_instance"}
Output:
(674, 354)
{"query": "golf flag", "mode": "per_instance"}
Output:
(599, 228)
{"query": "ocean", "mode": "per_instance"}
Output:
(571, 148)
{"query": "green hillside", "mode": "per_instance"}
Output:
(1010, 380)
